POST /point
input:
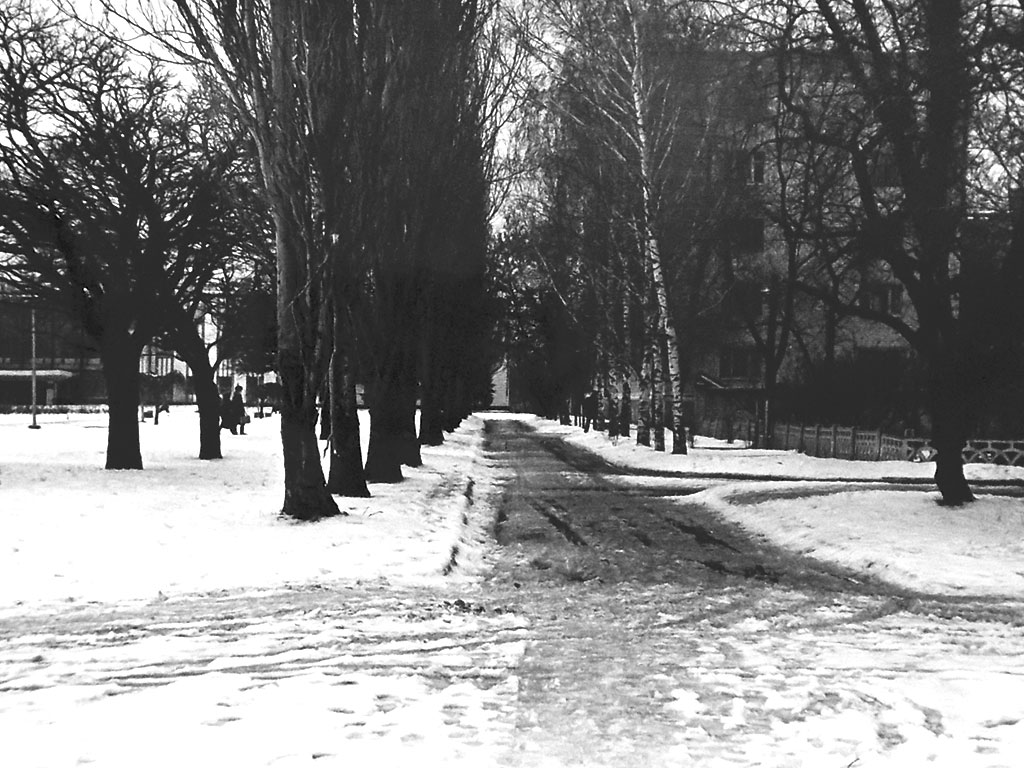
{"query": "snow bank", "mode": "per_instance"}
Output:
(71, 531)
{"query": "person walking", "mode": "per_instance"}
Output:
(238, 410)
(227, 413)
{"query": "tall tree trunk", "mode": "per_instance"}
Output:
(387, 422)
(455, 403)
(949, 414)
(431, 417)
(305, 490)
(430, 371)
(649, 242)
(120, 358)
(645, 417)
(625, 408)
(208, 402)
(611, 406)
(392, 401)
(625, 414)
(668, 400)
(771, 383)
(657, 400)
(403, 391)
(324, 422)
(286, 178)
(448, 397)
(674, 378)
(410, 443)
(190, 347)
(345, 476)
(828, 383)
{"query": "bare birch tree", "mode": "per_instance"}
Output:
(639, 86)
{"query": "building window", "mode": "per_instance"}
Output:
(745, 166)
(739, 363)
(884, 171)
(747, 234)
(757, 167)
(886, 298)
(745, 299)
(155, 362)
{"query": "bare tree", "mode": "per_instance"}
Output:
(901, 90)
(258, 51)
(644, 83)
(624, 66)
(112, 204)
(424, 189)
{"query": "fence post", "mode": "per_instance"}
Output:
(853, 443)
(835, 435)
(817, 440)
(878, 439)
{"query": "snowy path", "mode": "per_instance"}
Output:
(619, 619)
(662, 636)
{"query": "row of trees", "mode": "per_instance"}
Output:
(118, 204)
(349, 140)
(367, 119)
(881, 135)
(645, 115)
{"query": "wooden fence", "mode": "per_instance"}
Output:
(874, 445)
(835, 442)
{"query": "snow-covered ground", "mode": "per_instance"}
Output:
(902, 536)
(72, 531)
(75, 538)
(73, 534)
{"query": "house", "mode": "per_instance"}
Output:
(40, 343)
(779, 352)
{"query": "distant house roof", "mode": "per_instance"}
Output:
(45, 373)
(708, 382)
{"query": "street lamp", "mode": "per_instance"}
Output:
(33, 425)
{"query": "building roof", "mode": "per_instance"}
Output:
(705, 381)
(44, 373)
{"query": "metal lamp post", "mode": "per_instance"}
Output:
(34, 424)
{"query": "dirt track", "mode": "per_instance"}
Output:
(633, 596)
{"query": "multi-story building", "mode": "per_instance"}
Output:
(40, 342)
(778, 349)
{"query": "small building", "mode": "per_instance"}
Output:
(41, 342)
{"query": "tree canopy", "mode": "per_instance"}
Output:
(115, 195)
